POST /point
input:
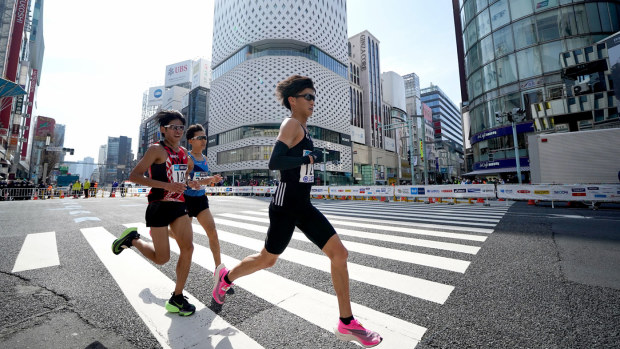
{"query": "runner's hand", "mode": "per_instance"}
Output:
(216, 178)
(194, 185)
(178, 188)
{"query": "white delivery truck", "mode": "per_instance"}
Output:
(584, 157)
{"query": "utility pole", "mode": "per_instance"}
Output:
(324, 164)
(406, 122)
(516, 115)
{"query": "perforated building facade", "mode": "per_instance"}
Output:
(256, 44)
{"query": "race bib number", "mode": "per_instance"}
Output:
(306, 172)
(200, 175)
(178, 172)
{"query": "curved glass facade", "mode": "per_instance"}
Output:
(512, 56)
(311, 52)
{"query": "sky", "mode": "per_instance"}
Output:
(100, 56)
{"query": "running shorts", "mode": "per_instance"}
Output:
(196, 204)
(163, 213)
(309, 220)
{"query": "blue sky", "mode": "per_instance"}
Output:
(101, 56)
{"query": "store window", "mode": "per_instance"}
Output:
(551, 56)
(527, 33)
(499, 14)
(502, 41)
(484, 23)
(520, 8)
(528, 62)
(489, 77)
(486, 50)
(548, 26)
(506, 70)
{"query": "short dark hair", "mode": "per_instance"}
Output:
(292, 86)
(189, 134)
(165, 116)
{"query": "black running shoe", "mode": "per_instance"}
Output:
(125, 240)
(179, 304)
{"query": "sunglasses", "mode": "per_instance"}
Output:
(200, 138)
(175, 127)
(307, 96)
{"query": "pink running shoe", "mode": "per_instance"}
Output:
(220, 287)
(356, 332)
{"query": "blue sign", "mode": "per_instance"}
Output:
(498, 164)
(502, 131)
(157, 93)
(417, 191)
(460, 190)
(474, 190)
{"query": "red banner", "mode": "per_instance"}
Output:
(33, 87)
(45, 126)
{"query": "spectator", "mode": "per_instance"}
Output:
(86, 188)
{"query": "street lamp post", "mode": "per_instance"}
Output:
(406, 122)
(516, 115)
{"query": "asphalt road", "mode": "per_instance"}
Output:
(541, 277)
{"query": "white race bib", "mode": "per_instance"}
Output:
(200, 175)
(306, 172)
(178, 173)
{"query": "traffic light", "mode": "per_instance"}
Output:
(510, 116)
(68, 150)
(409, 156)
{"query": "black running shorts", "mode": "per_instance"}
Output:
(309, 220)
(162, 213)
(196, 204)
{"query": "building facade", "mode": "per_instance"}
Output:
(509, 54)
(21, 60)
(119, 159)
(256, 45)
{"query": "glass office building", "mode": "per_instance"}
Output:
(510, 58)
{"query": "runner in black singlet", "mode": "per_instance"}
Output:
(294, 155)
(167, 165)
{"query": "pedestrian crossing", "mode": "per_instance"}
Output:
(441, 242)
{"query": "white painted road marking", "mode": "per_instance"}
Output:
(145, 287)
(38, 251)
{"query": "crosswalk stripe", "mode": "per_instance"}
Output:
(444, 263)
(144, 286)
(428, 212)
(408, 285)
(365, 213)
(38, 251)
(411, 205)
(335, 221)
(446, 246)
(314, 306)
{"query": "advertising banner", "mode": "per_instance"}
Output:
(447, 191)
(156, 95)
(576, 192)
(319, 190)
(178, 73)
(33, 86)
(201, 73)
(361, 191)
(45, 126)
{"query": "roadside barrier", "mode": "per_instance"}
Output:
(594, 194)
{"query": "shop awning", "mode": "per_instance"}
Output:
(497, 170)
(10, 89)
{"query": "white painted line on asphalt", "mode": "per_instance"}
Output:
(83, 219)
(334, 220)
(78, 211)
(447, 246)
(413, 217)
(38, 251)
(445, 263)
(314, 306)
(408, 285)
(421, 212)
(147, 289)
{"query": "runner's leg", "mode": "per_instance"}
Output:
(206, 221)
(183, 234)
(338, 254)
(159, 250)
